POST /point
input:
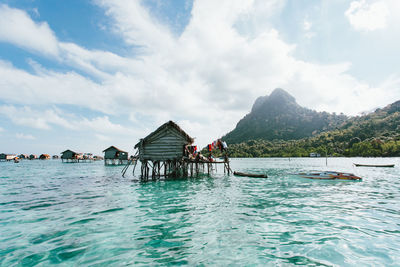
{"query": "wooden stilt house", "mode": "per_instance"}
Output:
(168, 152)
(44, 156)
(115, 156)
(23, 156)
(70, 156)
(163, 151)
(7, 157)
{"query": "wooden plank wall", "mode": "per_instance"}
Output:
(164, 145)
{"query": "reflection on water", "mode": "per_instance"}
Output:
(87, 214)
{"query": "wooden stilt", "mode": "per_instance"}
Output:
(179, 168)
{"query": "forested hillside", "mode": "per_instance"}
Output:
(374, 134)
(278, 116)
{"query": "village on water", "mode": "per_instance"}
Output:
(167, 152)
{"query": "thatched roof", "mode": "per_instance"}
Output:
(115, 148)
(189, 139)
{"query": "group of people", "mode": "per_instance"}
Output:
(192, 153)
(219, 144)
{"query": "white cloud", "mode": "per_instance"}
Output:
(19, 29)
(16, 27)
(366, 16)
(307, 25)
(24, 117)
(135, 24)
(25, 136)
(45, 119)
(102, 125)
(206, 79)
(103, 137)
(48, 87)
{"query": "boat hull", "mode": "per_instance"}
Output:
(250, 175)
(371, 165)
(328, 176)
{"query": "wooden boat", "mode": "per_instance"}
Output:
(374, 165)
(328, 175)
(250, 175)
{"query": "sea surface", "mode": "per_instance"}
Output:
(87, 214)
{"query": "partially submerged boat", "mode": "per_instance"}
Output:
(374, 165)
(250, 175)
(328, 175)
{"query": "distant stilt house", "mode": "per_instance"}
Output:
(70, 156)
(32, 156)
(74, 157)
(115, 156)
(86, 157)
(23, 156)
(44, 156)
(55, 157)
(165, 152)
(7, 157)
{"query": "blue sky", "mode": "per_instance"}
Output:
(84, 75)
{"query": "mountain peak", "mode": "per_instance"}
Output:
(278, 116)
(278, 97)
(279, 93)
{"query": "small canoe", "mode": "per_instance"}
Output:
(374, 165)
(250, 175)
(328, 175)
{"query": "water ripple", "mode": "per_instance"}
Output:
(87, 214)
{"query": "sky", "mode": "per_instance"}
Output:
(87, 74)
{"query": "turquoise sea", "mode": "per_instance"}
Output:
(86, 214)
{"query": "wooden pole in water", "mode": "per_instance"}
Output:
(143, 170)
(153, 171)
(134, 167)
(326, 157)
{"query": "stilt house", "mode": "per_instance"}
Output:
(168, 152)
(23, 156)
(115, 156)
(87, 156)
(7, 157)
(44, 156)
(70, 156)
(163, 151)
(32, 156)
